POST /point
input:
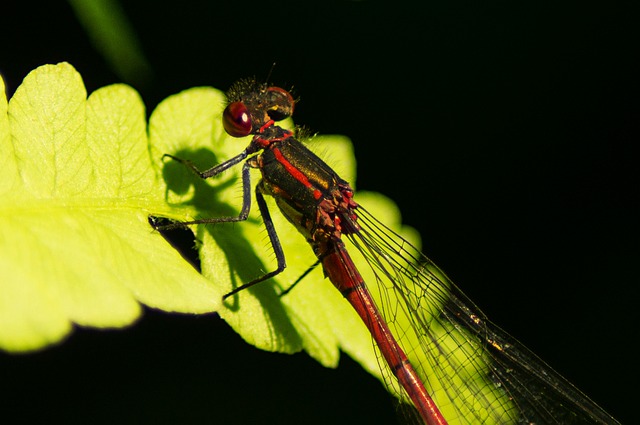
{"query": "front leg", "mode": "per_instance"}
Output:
(246, 194)
(213, 171)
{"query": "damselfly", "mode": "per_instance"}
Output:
(464, 369)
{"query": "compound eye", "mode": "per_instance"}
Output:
(236, 120)
(282, 103)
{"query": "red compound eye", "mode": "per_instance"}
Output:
(236, 120)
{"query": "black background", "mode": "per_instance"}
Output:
(505, 132)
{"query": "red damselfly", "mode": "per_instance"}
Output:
(464, 369)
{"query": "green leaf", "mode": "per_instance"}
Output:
(80, 178)
(77, 186)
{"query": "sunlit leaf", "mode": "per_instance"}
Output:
(77, 187)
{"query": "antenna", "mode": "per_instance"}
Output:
(273, 65)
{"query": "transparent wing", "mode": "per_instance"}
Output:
(475, 372)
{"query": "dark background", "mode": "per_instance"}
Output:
(505, 132)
